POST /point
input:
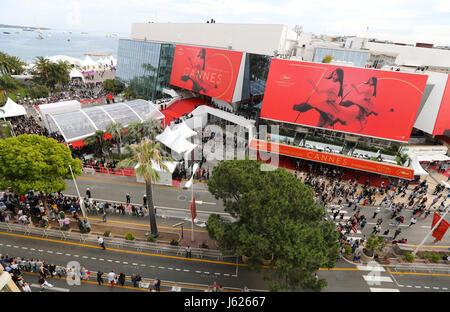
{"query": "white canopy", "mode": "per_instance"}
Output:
(418, 170)
(76, 74)
(175, 140)
(89, 62)
(171, 165)
(184, 130)
(436, 157)
(12, 109)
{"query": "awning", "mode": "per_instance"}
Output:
(418, 170)
(184, 130)
(175, 139)
(437, 157)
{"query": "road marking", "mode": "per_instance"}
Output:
(178, 269)
(109, 260)
(186, 270)
(77, 256)
(198, 271)
(371, 278)
(8, 245)
(85, 257)
(59, 253)
(206, 272)
(426, 287)
(217, 273)
(24, 247)
(444, 288)
(371, 268)
(16, 246)
(408, 286)
(51, 288)
(418, 286)
(134, 264)
(170, 268)
(49, 251)
(101, 259)
(93, 258)
(117, 261)
(384, 290)
(142, 264)
(125, 262)
(435, 287)
(226, 275)
(32, 249)
(161, 268)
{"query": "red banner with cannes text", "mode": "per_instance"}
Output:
(439, 232)
(212, 72)
(369, 102)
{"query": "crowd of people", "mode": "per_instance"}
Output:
(332, 191)
(29, 125)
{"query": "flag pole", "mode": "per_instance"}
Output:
(432, 230)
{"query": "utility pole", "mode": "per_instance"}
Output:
(190, 184)
(79, 196)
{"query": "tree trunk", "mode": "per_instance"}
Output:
(151, 208)
(2, 132)
(119, 145)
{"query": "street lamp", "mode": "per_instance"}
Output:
(79, 196)
(190, 184)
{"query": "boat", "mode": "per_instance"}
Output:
(18, 32)
(6, 32)
(68, 39)
(40, 37)
(49, 35)
(27, 29)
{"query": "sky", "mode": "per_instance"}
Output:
(407, 21)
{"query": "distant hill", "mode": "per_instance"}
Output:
(14, 26)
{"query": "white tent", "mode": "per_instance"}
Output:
(12, 109)
(418, 170)
(175, 140)
(184, 129)
(58, 108)
(76, 74)
(89, 62)
(435, 157)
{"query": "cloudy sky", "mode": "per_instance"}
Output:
(406, 21)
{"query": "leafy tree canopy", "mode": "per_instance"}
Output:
(34, 162)
(276, 217)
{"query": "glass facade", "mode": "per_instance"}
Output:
(358, 58)
(146, 66)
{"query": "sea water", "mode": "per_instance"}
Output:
(27, 47)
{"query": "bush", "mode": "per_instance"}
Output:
(408, 257)
(174, 242)
(152, 238)
(204, 245)
(348, 250)
(129, 236)
(107, 234)
(432, 256)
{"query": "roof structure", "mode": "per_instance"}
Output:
(79, 124)
(12, 109)
(175, 139)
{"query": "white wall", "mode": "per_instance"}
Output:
(427, 117)
(252, 38)
(415, 56)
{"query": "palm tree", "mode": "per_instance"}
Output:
(116, 131)
(134, 132)
(41, 67)
(151, 128)
(98, 141)
(11, 64)
(147, 154)
(7, 85)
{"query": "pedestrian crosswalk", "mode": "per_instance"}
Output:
(376, 278)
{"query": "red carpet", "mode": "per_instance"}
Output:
(289, 163)
(181, 107)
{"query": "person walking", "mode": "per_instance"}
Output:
(397, 232)
(88, 193)
(145, 200)
(128, 198)
(104, 216)
(377, 211)
(111, 279)
(100, 278)
(121, 279)
(101, 242)
(413, 221)
(157, 284)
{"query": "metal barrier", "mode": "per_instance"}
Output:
(120, 243)
(127, 172)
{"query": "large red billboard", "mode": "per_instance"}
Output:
(208, 71)
(442, 125)
(368, 102)
(333, 159)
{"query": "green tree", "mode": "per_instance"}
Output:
(327, 59)
(136, 131)
(113, 86)
(98, 142)
(8, 86)
(147, 154)
(277, 220)
(34, 162)
(51, 74)
(2, 132)
(11, 64)
(116, 130)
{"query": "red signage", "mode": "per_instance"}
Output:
(333, 159)
(207, 71)
(363, 101)
(442, 125)
(193, 210)
(439, 232)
